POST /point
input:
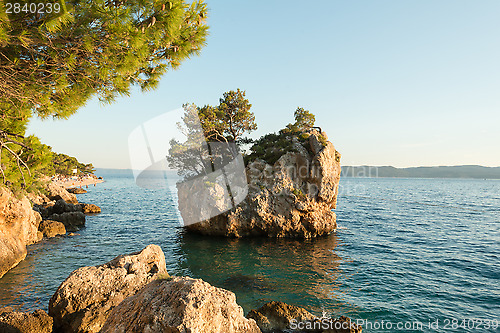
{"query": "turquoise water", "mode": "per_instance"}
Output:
(407, 250)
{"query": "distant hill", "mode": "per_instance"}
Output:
(459, 171)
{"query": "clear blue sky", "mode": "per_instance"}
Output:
(402, 83)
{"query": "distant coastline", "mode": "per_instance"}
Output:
(458, 171)
(366, 171)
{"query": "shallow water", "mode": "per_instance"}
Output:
(406, 250)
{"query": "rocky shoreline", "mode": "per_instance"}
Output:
(30, 218)
(134, 293)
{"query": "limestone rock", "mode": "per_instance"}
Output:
(18, 228)
(292, 198)
(76, 190)
(20, 322)
(38, 198)
(62, 206)
(69, 214)
(275, 317)
(57, 192)
(182, 305)
(90, 208)
(73, 221)
(51, 228)
(84, 300)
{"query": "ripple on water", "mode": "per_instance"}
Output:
(416, 249)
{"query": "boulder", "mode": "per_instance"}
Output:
(51, 228)
(57, 192)
(73, 221)
(76, 190)
(179, 304)
(90, 208)
(84, 300)
(294, 197)
(37, 198)
(62, 206)
(276, 317)
(20, 322)
(18, 228)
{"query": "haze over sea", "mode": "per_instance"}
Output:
(406, 250)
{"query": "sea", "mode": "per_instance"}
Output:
(409, 255)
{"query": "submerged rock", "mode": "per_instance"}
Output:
(21, 322)
(294, 197)
(18, 228)
(179, 304)
(276, 317)
(84, 300)
(51, 228)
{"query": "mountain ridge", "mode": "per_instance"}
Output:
(457, 171)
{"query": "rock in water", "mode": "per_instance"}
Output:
(51, 228)
(20, 322)
(72, 221)
(90, 208)
(18, 228)
(76, 190)
(84, 300)
(275, 317)
(179, 304)
(294, 197)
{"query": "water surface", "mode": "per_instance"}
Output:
(406, 250)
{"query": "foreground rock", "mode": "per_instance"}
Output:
(51, 228)
(294, 197)
(18, 228)
(20, 322)
(76, 190)
(179, 304)
(275, 317)
(84, 300)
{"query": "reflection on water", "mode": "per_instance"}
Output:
(260, 270)
(21, 289)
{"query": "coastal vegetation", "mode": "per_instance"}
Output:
(53, 62)
(228, 122)
(272, 146)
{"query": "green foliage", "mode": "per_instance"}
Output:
(298, 193)
(271, 147)
(322, 140)
(52, 64)
(227, 123)
(21, 166)
(63, 164)
(304, 120)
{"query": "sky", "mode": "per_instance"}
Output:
(401, 83)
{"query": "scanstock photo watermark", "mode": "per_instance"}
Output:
(406, 326)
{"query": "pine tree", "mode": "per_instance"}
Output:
(51, 64)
